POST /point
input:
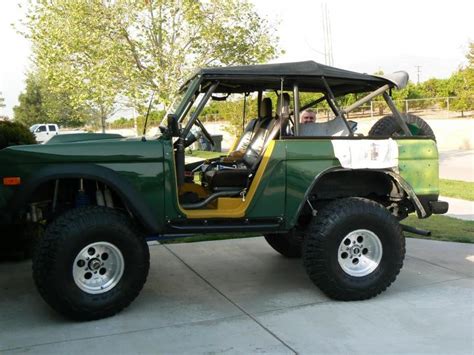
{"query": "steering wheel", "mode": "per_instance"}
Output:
(204, 131)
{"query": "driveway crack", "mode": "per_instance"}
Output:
(232, 301)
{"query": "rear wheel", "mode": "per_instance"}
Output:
(91, 263)
(354, 249)
(387, 126)
(289, 244)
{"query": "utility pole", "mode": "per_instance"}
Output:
(418, 71)
(326, 22)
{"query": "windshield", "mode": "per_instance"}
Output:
(176, 100)
(33, 128)
(181, 100)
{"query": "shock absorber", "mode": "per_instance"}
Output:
(99, 195)
(82, 198)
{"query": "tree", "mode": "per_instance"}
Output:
(462, 86)
(30, 110)
(135, 47)
(39, 104)
(15, 133)
(470, 55)
(232, 112)
(435, 88)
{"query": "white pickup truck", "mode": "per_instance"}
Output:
(44, 131)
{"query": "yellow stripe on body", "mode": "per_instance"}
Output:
(234, 207)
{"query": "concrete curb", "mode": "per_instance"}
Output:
(460, 209)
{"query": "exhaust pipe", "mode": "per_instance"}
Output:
(414, 230)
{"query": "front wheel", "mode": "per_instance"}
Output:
(91, 263)
(354, 249)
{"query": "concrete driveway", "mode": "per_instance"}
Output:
(457, 165)
(239, 296)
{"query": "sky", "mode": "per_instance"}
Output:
(367, 36)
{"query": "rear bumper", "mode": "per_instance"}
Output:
(432, 205)
(439, 207)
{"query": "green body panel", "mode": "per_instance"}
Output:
(77, 137)
(269, 199)
(291, 171)
(306, 161)
(172, 210)
(294, 167)
(418, 163)
(98, 151)
(140, 163)
(147, 180)
(6, 194)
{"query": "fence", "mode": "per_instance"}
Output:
(434, 107)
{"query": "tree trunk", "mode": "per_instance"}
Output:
(102, 119)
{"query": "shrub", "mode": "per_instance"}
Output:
(14, 133)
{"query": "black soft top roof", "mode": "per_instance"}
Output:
(307, 74)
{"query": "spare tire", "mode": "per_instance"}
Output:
(388, 126)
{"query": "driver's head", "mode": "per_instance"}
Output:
(307, 116)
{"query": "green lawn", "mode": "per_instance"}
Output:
(443, 228)
(457, 189)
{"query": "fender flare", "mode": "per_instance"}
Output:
(122, 187)
(420, 210)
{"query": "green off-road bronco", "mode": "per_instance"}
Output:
(318, 190)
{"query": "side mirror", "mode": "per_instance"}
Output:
(173, 126)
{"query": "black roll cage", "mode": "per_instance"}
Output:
(198, 84)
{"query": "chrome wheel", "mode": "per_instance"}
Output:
(98, 268)
(360, 253)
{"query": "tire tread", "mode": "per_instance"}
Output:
(316, 256)
(55, 238)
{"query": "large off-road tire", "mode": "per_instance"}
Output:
(91, 263)
(387, 126)
(354, 249)
(289, 244)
